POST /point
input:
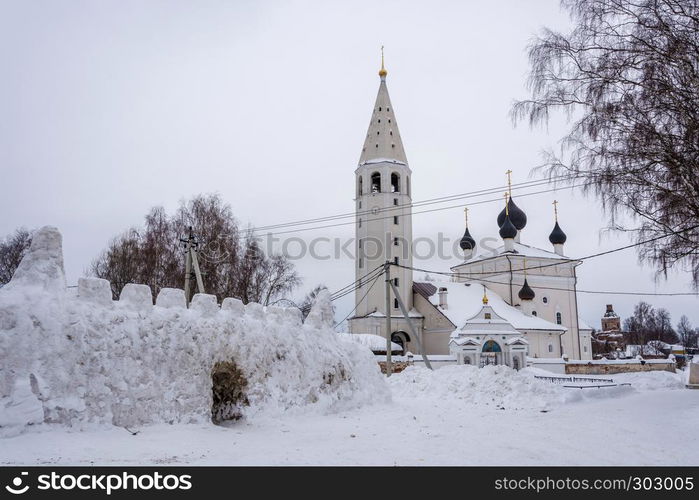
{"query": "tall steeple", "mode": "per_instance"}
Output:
(383, 140)
(384, 227)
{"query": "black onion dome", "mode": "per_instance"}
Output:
(517, 216)
(507, 230)
(467, 242)
(526, 293)
(557, 236)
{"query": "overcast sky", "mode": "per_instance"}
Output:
(108, 108)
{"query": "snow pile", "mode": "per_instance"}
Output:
(498, 386)
(87, 359)
(651, 380)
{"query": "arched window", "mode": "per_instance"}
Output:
(491, 346)
(534, 313)
(550, 347)
(559, 319)
(395, 183)
(376, 182)
(360, 186)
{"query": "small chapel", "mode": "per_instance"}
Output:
(501, 306)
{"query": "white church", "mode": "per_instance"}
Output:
(500, 307)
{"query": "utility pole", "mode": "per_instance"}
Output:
(404, 310)
(191, 260)
(389, 368)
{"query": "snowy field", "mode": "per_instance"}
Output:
(455, 416)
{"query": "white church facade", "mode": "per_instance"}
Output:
(495, 307)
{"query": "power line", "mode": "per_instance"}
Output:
(429, 201)
(362, 299)
(562, 261)
(461, 205)
(599, 254)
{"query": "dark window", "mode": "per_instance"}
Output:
(395, 183)
(550, 347)
(545, 300)
(533, 313)
(395, 242)
(395, 281)
(486, 315)
(360, 186)
(376, 182)
(361, 263)
(559, 319)
(395, 303)
(395, 219)
(360, 222)
(395, 260)
(395, 201)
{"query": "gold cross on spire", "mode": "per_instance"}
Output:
(507, 208)
(485, 296)
(509, 181)
(382, 71)
(525, 268)
(466, 215)
(555, 209)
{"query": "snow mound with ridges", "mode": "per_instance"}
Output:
(497, 386)
(73, 360)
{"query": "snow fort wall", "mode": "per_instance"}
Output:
(75, 360)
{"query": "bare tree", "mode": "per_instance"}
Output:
(627, 77)
(648, 327)
(153, 255)
(12, 249)
(687, 335)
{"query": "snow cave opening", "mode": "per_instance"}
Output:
(228, 386)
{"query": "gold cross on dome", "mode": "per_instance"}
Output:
(509, 181)
(466, 214)
(507, 208)
(555, 209)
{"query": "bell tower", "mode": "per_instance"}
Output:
(383, 222)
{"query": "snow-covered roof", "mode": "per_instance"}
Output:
(373, 342)
(378, 314)
(464, 301)
(520, 249)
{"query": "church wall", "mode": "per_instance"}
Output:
(436, 326)
(539, 342)
(544, 281)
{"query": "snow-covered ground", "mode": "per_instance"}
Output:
(455, 415)
(77, 370)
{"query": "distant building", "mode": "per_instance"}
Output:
(611, 322)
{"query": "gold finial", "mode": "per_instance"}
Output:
(382, 71)
(466, 215)
(525, 268)
(507, 205)
(485, 296)
(555, 209)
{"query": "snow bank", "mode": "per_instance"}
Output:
(498, 386)
(73, 360)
